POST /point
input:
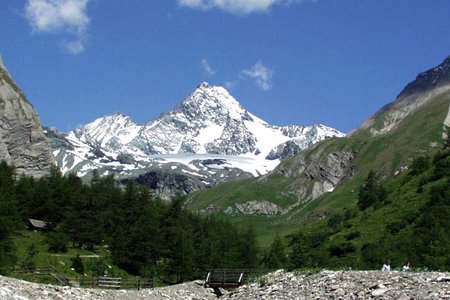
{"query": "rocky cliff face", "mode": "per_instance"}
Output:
(23, 143)
(168, 185)
(319, 172)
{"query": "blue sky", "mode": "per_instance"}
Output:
(287, 61)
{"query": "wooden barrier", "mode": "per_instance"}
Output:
(109, 282)
(61, 278)
(97, 282)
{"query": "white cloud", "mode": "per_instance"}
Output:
(74, 47)
(60, 17)
(237, 6)
(261, 74)
(207, 67)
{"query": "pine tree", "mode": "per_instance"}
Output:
(432, 231)
(248, 249)
(77, 264)
(8, 216)
(371, 193)
(276, 258)
(420, 164)
(179, 247)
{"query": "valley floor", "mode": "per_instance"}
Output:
(277, 285)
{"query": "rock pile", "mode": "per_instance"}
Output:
(347, 285)
(277, 285)
(13, 289)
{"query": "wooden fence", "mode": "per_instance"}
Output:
(119, 283)
(96, 282)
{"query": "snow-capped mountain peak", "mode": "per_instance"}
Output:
(107, 131)
(211, 102)
(208, 130)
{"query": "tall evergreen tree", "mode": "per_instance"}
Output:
(8, 216)
(432, 231)
(178, 230)
(371, 192)
(248, 249)
(275, 257)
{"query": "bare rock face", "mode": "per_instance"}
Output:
(22, 140)
(317, 173)
(263, 207)
(168, 185)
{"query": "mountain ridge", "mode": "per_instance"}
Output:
(331, 170)
(413, 96)
(208, 125)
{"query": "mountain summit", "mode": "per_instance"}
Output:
(434, 78)
(209, 125)
(415, 95)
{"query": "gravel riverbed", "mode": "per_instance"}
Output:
(277, 285)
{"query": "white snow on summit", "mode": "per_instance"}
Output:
(209, 125)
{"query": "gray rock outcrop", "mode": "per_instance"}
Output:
(264, 208)
(23, 143)
(318, 173)
(168, 185)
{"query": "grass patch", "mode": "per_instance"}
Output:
(95, 263)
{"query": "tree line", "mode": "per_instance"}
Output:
(163, 240)
(145, 235)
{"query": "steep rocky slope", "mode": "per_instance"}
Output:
(325, 166)
(415, 95)
(23, 143)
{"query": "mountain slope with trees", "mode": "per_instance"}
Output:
(408, 223)
(326, 177)
(142, 234)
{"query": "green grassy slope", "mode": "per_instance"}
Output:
(95, 263)
(399, 228)
(419, 133)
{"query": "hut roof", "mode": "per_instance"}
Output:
(38, 223)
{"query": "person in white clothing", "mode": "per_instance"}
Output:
(386, 267)
(405, 268)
